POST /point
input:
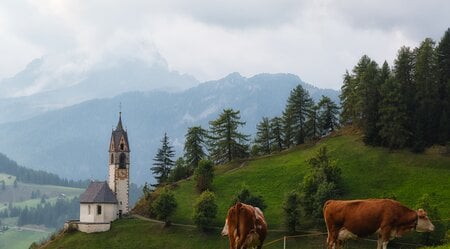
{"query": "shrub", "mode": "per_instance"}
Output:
(292, 212)
(204, 175)
(205, 210)
(245, 196)
(164, 206)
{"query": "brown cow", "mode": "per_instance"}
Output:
(245, 226)
(361, 218)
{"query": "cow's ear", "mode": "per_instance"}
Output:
(421, 213)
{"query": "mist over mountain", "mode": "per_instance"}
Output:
(73, 141)
(43, 86)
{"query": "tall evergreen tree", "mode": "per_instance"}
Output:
(163, 161)
(348, 99)
(313, 125)
(263, 137)
(297, 109)
(194, 146)
(370, 97)
(226, 142)
(426, 97)
(328, 114)
(443, 77)
(288, 131)
(276, 128)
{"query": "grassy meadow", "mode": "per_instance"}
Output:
(367, 173)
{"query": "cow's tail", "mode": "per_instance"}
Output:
(238, 209)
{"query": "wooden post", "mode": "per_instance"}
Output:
(284, 242)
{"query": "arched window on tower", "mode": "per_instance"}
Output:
(122, 159)
(112, 159)
(121, 146)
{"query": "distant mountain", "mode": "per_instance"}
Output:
(73, 141)
(37, 89)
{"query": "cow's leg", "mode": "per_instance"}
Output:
(384, 237)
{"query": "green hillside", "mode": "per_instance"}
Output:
(367, 172)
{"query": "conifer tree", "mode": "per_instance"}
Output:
(163, 161)
(263, 137)
(194, 146)
(288, 131)
(226, 142)
(370, 97)
(296, 112)
(313, 125)
(426, 97)
(443, 77)
(276, 129)
(328, 114)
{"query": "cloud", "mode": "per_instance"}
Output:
(317, 40)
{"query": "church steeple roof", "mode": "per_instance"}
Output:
(119, 124)
(119, 138)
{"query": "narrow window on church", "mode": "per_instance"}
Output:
(99, 209)
(122, 159)
(112, 159)
(89, 209)
(121, 146)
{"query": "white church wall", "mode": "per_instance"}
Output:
(89, 212)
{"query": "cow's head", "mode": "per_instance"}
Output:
(225, 228)
(423, 223)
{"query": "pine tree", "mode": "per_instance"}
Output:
(348, 99)
(313, 125)
(226, 142)
(297, 109)
(443, 77)
(288, 131)
(163, 161)
(276, 128)
(194, 146)
(263, 137)
(370, 97)
(426, 97)
(328, 114)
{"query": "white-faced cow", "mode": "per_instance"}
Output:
(361, 218)
(245, 226)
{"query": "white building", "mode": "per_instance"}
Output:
(103, 202)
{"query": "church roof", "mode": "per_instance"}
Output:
(98, 192)
(117, 134)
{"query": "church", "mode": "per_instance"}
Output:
(104, 202)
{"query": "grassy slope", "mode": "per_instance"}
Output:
(13, 239)
(9, 179)
(367, 172)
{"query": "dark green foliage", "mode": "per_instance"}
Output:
(194, 146)
(163, 161)
(313, 125)
(47, 214)
(3, 185)
(437, 237)
(323, 182)
(328, 114)
(276, 128)
(204, 175)
(245, 196)
(426, 97)
(408, 107)
(180, 171)
(292, 211)
(226, 142)
(295, 115)
(164, 206)
(443, 78)
(263, 138)
(205, 210)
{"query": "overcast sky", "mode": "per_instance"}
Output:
(317, 40)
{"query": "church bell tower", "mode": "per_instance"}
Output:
(119, 166)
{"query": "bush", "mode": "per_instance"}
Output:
(205, 210)
(204, 175)
(164, 206)
(292, 212)
(245, 196)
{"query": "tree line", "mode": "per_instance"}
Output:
(301, 121)
(45, 213)
(403, 106)
(26, 175)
